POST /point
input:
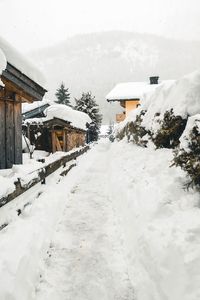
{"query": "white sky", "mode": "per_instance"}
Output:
(32, 24)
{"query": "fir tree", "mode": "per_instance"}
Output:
(63, 95)
(88, 105)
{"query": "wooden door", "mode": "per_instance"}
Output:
(57, 141)
(2, 135)
(10, 134)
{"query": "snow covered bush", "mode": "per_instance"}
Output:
(164, 132)
(163, 113)
(134, 131)
(170, 130)
(188, 155)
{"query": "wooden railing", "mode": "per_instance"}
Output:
(42, 173)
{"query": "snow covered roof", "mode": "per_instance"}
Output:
(3, 64)
(76, 118)
(130, 90)
(10, 55)
(26, 107)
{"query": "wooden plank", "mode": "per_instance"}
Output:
(10, 137)
(64, 140)
(53, 141)
(58, 145)
(17, 133)
(2, 136)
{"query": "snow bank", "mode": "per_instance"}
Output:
(25, 241)
(160, 222)
(182, 96)
(7, 186)
(20, 62)
(23, 244)
(28, 170)
(163, 113)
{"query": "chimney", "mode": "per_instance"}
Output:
(154, 79)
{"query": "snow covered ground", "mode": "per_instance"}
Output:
(160, 222)
(119, 226)
(86, 258)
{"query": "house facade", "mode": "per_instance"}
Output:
(129, 94)
(16, 87)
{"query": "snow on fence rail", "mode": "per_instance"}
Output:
(40, 175)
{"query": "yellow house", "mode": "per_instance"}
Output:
(129, 95)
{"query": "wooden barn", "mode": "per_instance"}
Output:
(17, 88)
(57, 132)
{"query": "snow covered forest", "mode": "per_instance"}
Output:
(100, 150)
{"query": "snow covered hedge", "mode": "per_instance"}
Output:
(170, 130)
(164, 118)
(134, 131)
(187, 156)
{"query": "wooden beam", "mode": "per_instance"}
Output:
(9, 131)
(2, 136)
(17, 133)
(53, 141)
(23, 83)
(58, 146)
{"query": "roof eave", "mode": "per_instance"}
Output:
(118, 100)
(23, 82)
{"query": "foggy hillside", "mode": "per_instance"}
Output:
(96, 62)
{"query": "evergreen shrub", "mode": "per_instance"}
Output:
(170, 131)
(188, 157)
(134, 131)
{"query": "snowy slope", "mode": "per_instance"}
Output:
(97, 62)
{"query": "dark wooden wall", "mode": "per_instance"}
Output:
(10, 133)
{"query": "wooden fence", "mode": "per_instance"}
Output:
(42, 173)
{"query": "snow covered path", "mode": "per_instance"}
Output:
(86, 258)
(119, 226)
